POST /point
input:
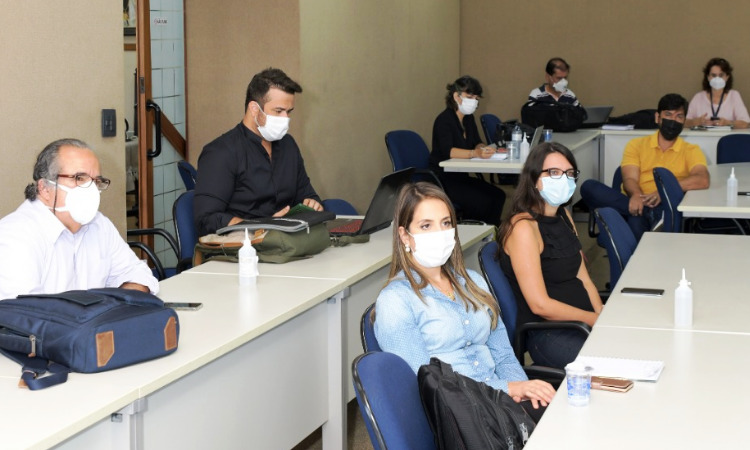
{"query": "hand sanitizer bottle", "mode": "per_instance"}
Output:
(248, 262)
(683, 304)
(525, 147)
(732, 189)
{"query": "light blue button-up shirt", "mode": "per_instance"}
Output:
(441, 328)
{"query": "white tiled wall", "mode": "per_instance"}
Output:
(168, 90)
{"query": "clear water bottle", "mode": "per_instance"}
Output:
(514, 150)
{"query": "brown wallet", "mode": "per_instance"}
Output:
(611, 384)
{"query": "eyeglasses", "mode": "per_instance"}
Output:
(558, 173)
(84, 180)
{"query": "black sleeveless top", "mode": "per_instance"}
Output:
(561, 259)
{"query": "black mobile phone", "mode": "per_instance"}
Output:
(642, 291)
(184, 306)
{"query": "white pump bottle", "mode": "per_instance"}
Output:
(248, 262)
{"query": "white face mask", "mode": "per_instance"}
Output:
(468, 105)
(275, 127)
(433, 249)
(557, 191)
(81, 202)
(717, 83)
(561, 86)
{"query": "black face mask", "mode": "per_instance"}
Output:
(670, 129)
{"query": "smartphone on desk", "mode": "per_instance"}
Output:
(183, 306)
(642, 291)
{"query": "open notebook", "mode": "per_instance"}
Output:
(632, 369)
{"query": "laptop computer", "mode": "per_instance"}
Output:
(597, 116)
(380, 213)
(538, 132)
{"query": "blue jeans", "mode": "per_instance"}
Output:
(599, 195)
(554, 348)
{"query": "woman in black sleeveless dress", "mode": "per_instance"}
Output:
(541, 256)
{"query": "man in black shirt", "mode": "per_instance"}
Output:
(255, 169)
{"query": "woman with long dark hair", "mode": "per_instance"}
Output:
(717, 104)
(541, 255)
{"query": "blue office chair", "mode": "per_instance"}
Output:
(733, 148)
(158, 269)
(671, 195)
(407, 149)
(184, 224)
(339, 206)
(367, 331)
(388, 396)
(188, 174)
(616, 184)
(618, 240)
(490, 125)
(503, 293)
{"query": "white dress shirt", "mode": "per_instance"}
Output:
(38, 254)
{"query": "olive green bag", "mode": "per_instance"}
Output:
(272, 246)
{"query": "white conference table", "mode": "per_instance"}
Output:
(584, 144)
(262, 366)
(698, 402)
(575, 141)
(712, 202)
(700, 389)
(715, 264)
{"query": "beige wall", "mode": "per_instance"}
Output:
(61, 64)
(366, 67)
(369, 67)
(622, 53)
(226, 43)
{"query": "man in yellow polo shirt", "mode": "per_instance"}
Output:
(640, 204)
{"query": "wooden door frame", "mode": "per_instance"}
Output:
(145, 120)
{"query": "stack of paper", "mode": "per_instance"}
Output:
(632, 369)
(610, 126)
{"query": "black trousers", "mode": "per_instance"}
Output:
(474, 198)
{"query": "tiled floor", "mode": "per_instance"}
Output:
(598, 267)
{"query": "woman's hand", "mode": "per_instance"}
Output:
(538, 391)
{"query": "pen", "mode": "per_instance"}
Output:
(744, 193)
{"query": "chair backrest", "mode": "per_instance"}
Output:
(184, 224)
(339, 206)
(367, 331)
(671, 195)
(407, 149)
(188, 174)
(499, 287)
(618, 239)
(388, 397)
(617, 178)
(490, 123)
(733, 148)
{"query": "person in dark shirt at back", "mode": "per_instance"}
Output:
(255, 169)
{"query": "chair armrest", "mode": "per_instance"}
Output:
(153, 232)
(151, 256)
(520, 342)
(551, 375)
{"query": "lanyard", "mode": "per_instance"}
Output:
(715, 114)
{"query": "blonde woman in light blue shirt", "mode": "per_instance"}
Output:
(434, 307)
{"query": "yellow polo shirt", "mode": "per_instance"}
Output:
(645, 153)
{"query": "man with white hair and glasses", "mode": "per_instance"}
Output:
(56, 240)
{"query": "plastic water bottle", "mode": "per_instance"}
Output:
(248, 262)
(525, 148)
(683, 304)
(515, 140)
(732, 189)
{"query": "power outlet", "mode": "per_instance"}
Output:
(109, 123)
